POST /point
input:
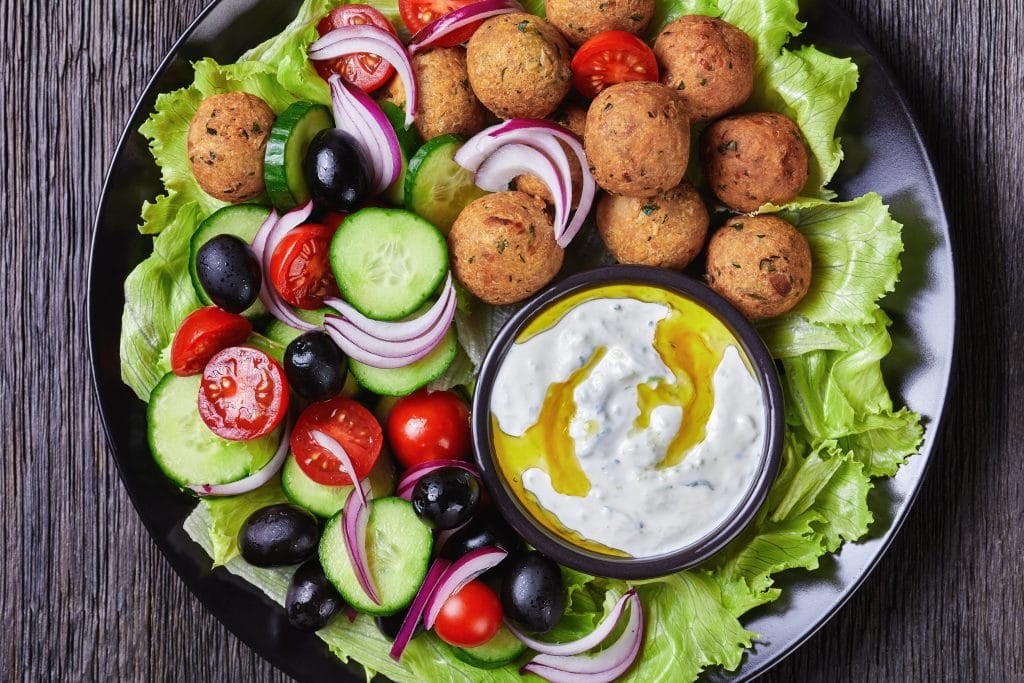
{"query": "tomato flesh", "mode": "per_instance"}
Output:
(364, 70)
(348, 423)
(243, 395)
(609, 58)
(427, 425)
(416, 14)
(300, 267)
(470, 617)
(202, 334)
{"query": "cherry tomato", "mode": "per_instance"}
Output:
(418, 13)
(426, 426)
(202, 334)
(300, 267)
(609, 58)
(243, 395)
(348, 423)
(469, 617)
(334, 219)
(364, 70)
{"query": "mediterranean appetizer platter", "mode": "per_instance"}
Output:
(502, 339)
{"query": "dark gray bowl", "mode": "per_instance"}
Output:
(567, 553)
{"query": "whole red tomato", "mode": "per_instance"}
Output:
(470, 617)
(429, 425)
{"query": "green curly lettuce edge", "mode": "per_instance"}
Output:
(842, 428)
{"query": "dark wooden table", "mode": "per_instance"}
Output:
(84, 593)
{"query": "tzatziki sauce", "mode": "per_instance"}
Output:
(633, 501)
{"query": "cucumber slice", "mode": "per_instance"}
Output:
(184, 447)
(327, 501)
(241, 220)
(286, 148)
(398, 547)
(388, 261)
(409, 141)
(436, 187)
(404, 381)
(504, 648)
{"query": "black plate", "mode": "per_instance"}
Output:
(884, 153)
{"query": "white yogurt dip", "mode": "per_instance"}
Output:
(633, 505)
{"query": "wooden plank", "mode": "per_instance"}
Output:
(86, 595)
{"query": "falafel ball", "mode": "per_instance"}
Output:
(227, 140)
(666, 230)
(503, 247)
(519, 66)
(761, 264)
(581, 20)
(446, 103)
(637, 139)
(752, 159)
(709, 62)
(573, 117)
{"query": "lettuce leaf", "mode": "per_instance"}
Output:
(158, 294)
(769, 24)
(167, 130)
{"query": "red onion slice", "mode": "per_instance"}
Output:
(331, 445)
(347, 40)
(355, 517)
(515, 159)
(266, 240)
(412, 617)
(412, 475)
(426, 342)
(254, 480)
(465, 569)
(350, 613)
(587, 642)
(453, 21)
(397, 331)
(337, 332)
(604, 667)
(473, 153)
(362, 118)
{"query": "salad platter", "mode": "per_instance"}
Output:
(385, 259)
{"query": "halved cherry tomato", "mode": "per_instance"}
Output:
(348, 423)
(609, 58)
(243, 395)
(202, 334)
(363, 70)
(300, 267)
(333, 219)
(429, 425)
(470, 617)
(418, 13)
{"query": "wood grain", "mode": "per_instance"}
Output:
(86, 596)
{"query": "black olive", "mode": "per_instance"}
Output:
(391, 625)
(229, 272)
(315, 367)
(532, 592)
(446, 498)
(336, 170)
(278, 535)
(311, 600)
(481, 532)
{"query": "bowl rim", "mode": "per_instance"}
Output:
(731, 526)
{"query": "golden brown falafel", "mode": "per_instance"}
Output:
(637, 139)
(666, 230)
(761, 264)
(446, 103)
(581, 20)
(752, 159)
(519, 66)
(227, 140)
(503, 247)
(709, 62)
